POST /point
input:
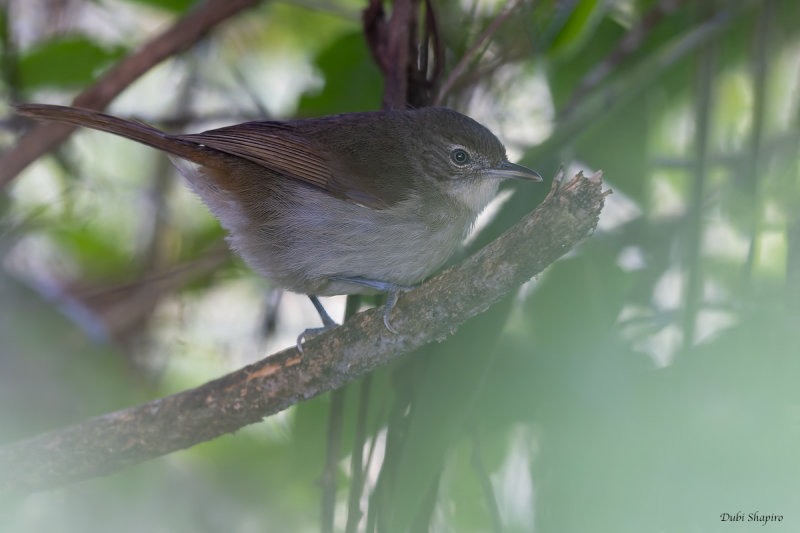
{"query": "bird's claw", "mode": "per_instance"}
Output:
(391, 300)
(310, 333)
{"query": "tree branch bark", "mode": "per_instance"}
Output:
(107, 443)
(43, 138)
(394, 45)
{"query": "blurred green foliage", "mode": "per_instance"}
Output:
(66, 61)
(177, 6)
(605, 396)
(352, 80)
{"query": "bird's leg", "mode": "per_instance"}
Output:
(327, 323)
(392, 291)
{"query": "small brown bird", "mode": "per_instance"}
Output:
(350, 203)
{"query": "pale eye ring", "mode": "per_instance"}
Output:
(460, 157)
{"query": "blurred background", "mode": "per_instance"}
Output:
(645, 382)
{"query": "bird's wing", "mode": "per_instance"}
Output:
(278, 147)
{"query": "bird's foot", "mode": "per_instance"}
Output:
(392, 291)
(310, 333)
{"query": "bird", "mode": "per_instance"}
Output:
(352, 203)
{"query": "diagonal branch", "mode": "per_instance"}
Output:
(43, 138)
(107, 443)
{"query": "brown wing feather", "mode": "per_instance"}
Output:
(276, 146)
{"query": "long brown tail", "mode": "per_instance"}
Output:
(126, 128)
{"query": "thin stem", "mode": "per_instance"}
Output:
(753, 159)
(694, 277)
(486, 483)
(329, 475)
(476, 50)
(626, 46)
(335, 417)
(356, 464)
(793, 264)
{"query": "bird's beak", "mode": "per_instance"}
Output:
(510, 170)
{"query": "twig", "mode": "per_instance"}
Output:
(473, 52)
(110, 442)
(43, 138)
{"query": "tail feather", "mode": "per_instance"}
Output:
(136, 131)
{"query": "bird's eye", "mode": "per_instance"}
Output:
(459, 156)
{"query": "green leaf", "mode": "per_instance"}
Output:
(578, 26)
(177, 6)
(352, 81)
(66, 61)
